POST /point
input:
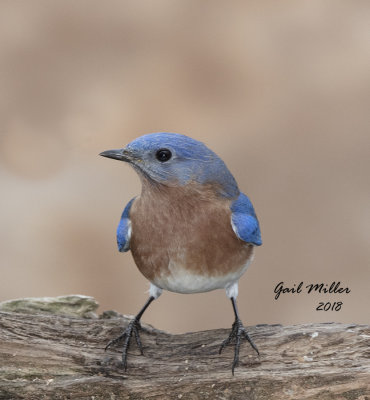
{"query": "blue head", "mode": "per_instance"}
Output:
(172, 159)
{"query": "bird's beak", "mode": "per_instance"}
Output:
(117, 154)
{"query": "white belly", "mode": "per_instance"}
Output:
(181, 280)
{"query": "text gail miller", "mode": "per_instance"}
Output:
(318, 288)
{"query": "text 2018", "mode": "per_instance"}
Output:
(336, 306)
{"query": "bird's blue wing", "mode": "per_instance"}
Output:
(124, 229)
(244, 220)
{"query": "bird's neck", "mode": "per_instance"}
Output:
(189, 193)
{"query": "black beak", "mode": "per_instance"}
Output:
(117, 154)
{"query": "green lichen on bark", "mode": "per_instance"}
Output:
(71, 306)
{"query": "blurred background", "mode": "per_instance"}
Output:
(280, 90)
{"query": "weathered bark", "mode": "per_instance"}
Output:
(51, 356)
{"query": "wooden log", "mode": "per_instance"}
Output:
(52, 352)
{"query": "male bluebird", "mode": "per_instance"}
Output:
(191, 230)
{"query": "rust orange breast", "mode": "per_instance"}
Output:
(181, 233)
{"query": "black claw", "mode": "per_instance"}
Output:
(132, 328)
(114, 341)
(138, 340)
(251, 342)
(229, 339)
(237, 333)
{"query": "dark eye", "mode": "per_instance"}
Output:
(163, 155)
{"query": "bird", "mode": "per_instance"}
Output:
(190, 230)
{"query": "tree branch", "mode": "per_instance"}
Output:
(56, 350)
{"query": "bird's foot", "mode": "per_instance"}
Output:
(237, 332)
(132, 328)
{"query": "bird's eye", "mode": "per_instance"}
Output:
(163, 155)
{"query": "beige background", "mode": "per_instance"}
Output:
(280, 90)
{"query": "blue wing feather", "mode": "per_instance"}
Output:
(244, 220)
(124, 229)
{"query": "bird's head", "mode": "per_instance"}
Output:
(172, 159)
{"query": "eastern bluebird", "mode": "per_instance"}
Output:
(191, 230)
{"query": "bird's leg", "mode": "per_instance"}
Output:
(132, 328)
(237, 332)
